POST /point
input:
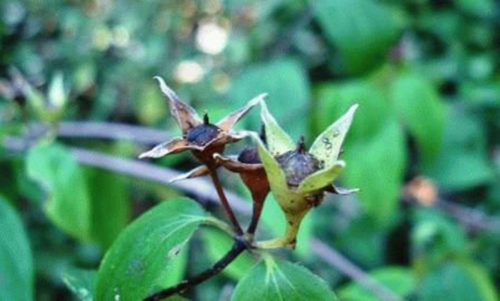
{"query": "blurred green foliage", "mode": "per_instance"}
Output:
(426, 74)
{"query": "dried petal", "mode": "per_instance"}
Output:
(227, 123)
(236, 166)
(196, 172)
(278, 141)
(321, 179)
(185, 115)
(170, 147)
(327, 146)
(340, 190)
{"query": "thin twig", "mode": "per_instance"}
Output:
(200, 188)
(225, 203)
(238, 248)
(336, 259)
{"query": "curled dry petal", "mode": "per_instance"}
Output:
(235, 165)
(196, 172)
(340, 190)
(170, 147)
(227, 123)
(185, 115)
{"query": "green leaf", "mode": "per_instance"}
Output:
(463, 160)
(362, 30)
(458, 281)
(283, 280)
(419, 106)
(376, 167)
(110, 204)
(435, 237)
(68, 203)
(16, 261)
(217, 244)
(375, 151)
(399, 280)
(285, 81)
(80, 282)
(140, 259)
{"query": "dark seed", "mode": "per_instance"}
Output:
(202, 134)
(249, 155)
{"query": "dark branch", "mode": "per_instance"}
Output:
(238, 248)
(225, 203)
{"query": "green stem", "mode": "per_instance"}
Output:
(290, 237)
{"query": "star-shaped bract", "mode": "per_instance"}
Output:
(199, 136)
(296, 198)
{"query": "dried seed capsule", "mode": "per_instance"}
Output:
(298, 164)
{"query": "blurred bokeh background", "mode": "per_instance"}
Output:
(423, 147)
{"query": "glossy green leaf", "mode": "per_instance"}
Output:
(419, 106)
(401, 281)
(110, 204)
(217, 244)
(68, 203)
(16, 261)
(458, 281)
(281, 280)
(285, 82)
(140, 259)
(362, 30)
(327, 145)
(80, 282)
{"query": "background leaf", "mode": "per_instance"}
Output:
(139, 261)
(110, 205)
(362, 30)
(420, 109)
(68, 204)
(457, 281)
(16, 262)
(399, 280)
(285, 82)
(283, 280)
